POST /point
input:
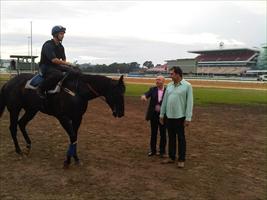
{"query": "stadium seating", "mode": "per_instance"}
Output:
(222, 70)
(244, 56)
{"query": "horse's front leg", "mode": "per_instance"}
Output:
(72, 150)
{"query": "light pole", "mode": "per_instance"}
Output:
(31, 51)
(29, 37)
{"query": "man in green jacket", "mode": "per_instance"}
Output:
(177, 105)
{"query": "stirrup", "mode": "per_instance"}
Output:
(58, 86)
(56, 90)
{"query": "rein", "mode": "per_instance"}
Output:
(87, 84)
(95, 92)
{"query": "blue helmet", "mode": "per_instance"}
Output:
(57, 29)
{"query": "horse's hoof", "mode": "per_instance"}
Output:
(27, 152)
(19, 152)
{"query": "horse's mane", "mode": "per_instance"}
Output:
(89, 78)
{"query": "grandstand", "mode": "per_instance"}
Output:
(226, 61)
(158, 69)
(188, 65)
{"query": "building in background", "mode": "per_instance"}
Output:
(158, 69)
(23, 63)
(4, 65)
(262, 59)
(188, 65)
(226, 61)
(19, 63)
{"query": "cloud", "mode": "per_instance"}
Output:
(116, 31)
(255, 7)
(91, 59)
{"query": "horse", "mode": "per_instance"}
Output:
(68, 105)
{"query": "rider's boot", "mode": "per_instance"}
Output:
(40, 93)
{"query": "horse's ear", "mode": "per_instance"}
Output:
(121, 80)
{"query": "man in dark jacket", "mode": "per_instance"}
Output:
(53, 61)
(156, 95)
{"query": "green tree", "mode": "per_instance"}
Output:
(134, 66)
(148, 64)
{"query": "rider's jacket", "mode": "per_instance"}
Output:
(51, 50)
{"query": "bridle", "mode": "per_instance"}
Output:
(95, 92)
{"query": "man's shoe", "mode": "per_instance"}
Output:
(180, 164)
(168, 161)
(151, 154)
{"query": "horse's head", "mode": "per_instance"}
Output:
(115, 97)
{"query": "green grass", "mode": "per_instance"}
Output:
(136, 89)
(207, 96)
(4, 77)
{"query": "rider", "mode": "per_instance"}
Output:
(53, 61)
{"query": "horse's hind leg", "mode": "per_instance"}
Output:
(13, 129)
(24, 120)
(76, 124)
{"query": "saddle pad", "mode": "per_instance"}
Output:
(36, 80)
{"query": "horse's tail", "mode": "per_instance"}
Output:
(2, 101)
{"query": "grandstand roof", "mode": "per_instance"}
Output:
(223, 50)
(180, 59)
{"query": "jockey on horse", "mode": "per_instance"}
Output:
(53, 61)
(68, 105)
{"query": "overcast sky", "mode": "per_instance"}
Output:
(128, 31)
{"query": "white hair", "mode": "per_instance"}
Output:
(160, 77)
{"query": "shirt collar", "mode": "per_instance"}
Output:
(180, 83)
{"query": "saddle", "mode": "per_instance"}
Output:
(35, 81)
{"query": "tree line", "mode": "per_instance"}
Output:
(114, 67)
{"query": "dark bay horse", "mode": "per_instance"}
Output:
(68, 109)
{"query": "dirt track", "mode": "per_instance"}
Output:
(226, 158)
